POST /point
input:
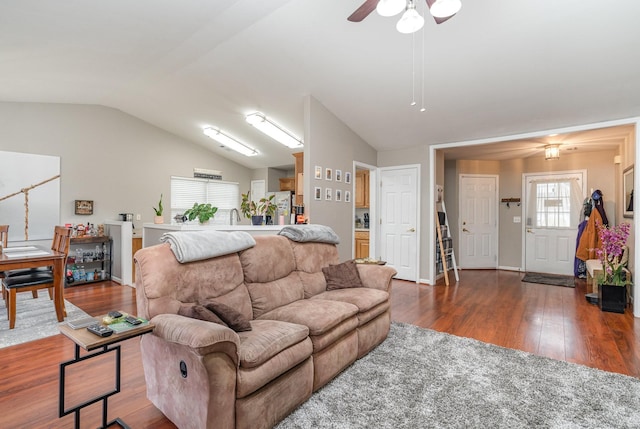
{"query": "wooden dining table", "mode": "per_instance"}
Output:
(16, 258)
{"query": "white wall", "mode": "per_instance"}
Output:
(120, 162)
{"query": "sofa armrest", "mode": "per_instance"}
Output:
(200, 336)
(376, 276)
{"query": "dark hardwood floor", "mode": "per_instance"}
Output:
(491, 306)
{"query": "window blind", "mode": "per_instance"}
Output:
(185, 191)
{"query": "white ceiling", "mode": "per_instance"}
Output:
(498, 68)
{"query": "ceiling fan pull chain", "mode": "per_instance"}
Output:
(422, 109)
(413, 69)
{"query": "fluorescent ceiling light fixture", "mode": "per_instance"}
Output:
(273, 130)
(229, 141)
(411, 20)
(445, 8)
(390, 7)
(552, 151)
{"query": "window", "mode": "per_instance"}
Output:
(554, 203)
(186, 191)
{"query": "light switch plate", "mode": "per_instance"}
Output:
(517, 219)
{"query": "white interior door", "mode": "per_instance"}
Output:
(478, 221)
(398, 220)
(552, 210)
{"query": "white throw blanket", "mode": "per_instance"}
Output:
(189, 246)
(310, 233)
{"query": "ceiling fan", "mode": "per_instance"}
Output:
(441, 10)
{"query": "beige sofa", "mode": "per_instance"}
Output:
(204, 375)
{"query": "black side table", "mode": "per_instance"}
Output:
(88, 341)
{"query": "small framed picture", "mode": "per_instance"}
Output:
(338, 192)
(347, 196)
(328, 174)
(318, 172)
(84, 207)
(328, 193)
(317, 193)
(347, 177)
(338, 175)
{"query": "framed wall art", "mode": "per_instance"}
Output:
(347, 177)
(328, 174)
(338, 195)
(84, 207)
(328, 194)
(347, 196)
(317, 193)
(627, 189)
(338, 175)
(318, 172)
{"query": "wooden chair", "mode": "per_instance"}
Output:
(36, 279)
(4, 235)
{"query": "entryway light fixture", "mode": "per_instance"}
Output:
(229, 141)
(273, 130)
(552, 151)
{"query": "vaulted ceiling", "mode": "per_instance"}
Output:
(497, 68)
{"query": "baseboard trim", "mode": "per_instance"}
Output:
(510, 268)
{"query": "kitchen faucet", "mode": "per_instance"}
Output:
(231, 216)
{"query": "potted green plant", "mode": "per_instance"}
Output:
(203, 212)
(158, 219)
(612, 283)
(257, 210)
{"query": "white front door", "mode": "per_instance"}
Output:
(552, 210)
(478, 221)
(398, 220)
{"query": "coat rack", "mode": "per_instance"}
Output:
(507, 201)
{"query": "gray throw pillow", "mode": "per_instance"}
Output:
(234, 319)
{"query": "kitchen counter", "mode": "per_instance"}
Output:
(361, 229)
(151, 232)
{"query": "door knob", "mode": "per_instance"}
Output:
(411, 230)
(529, 231)
(465, 230)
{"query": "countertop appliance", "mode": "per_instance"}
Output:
(366, 220)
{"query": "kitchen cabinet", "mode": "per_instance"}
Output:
(362, 189)
(362, 244)
(288, 184)
(89, 260)
(299, 178)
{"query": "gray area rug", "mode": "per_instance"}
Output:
(549, 279)
(419, 378)
(35, 319)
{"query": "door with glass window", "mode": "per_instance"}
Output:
(553, 203)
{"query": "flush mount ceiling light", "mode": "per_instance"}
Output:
(552, 151)
(273, 130)
(229, 141)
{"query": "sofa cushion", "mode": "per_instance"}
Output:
(231, 317)
(196, 311)
(267, 339)
(370, 302)
(319, 315)
(310, 259)
(342, 276)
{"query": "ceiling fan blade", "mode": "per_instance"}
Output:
(438, 20)
(363, 11)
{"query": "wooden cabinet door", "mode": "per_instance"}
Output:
(362, 189)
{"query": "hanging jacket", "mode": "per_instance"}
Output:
(590, 241)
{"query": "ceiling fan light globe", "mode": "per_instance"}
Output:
(445, 8)
(390, 7)
(410, 22)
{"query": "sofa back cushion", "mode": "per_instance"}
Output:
(163, 284)
(311, 258)
(270, 274)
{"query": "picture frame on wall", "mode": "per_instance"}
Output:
(338, 194)
(338, 175)
(318, 173)
(317, 194)
(627, 189)
(328, 193)
(347, 177)
(328, 174)
(84, 207)
(347, 196)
